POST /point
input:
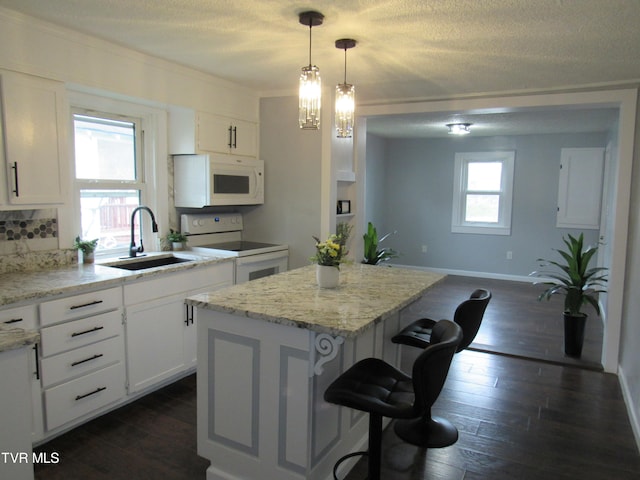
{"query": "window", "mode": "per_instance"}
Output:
(109, 177)
(482, 193)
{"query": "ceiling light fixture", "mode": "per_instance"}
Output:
(459, 128)
(310, 84)
(345, 96)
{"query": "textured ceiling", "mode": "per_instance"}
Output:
(406, 49)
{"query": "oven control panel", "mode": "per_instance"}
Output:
(199, 223)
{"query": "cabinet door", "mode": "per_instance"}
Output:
(35, 138)
(580, 188)
(26, 317)
(244, 138)
(224, 279)
(154, 332)
(215, 134)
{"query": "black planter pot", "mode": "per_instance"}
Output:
(573, 334)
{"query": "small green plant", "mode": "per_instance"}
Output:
(372, 255)
(87, 246)
(176, 237)
(579, 283)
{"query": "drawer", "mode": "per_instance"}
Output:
(83, 395)
(65, 366)
(78, 333)
(21, 317)
(78, 306)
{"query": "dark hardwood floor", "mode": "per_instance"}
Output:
(518, 418)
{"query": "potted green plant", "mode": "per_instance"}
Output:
(580, 285)
(329, 255)
(87, 247)
(372, 255)
(177, 239)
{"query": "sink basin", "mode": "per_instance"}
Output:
(144, 263)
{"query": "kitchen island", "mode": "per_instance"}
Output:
(267, 351)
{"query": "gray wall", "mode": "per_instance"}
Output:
(418, 194)
(292, 161)
(374, 189)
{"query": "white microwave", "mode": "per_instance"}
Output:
(212, 180)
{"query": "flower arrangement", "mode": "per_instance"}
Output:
(333, 251)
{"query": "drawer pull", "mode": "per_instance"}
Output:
(95, 329)
(95, 302)
(97, 390)
(98, 355)
(13, 320)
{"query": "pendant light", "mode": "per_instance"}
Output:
(345, 96)
(310, 84)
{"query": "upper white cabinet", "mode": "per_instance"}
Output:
(580, 188)
(34, 130)
(201, 132)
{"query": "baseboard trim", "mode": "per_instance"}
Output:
(469, 273)
(634, 416)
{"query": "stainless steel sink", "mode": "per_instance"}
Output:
(151, 262)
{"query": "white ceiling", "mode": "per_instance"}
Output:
(407, 49)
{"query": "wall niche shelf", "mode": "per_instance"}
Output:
(346, 176)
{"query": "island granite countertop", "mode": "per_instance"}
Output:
(367, 294)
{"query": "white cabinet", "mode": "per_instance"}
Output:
(226, 135)
(580, 188)
(14, 418)
(82, 355)
(34, 124)
(26, 317)
(201, 132)
(161, 328)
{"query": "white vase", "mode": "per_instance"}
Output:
(327, 277)
(177, 246)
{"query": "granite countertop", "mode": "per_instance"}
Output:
(32, 285)
(367, 294)
(12, 337)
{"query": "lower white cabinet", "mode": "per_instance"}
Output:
(26, 317)
(82, 359)
(161, 328)
(154, 341)
(15, 438)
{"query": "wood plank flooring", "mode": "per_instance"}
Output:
(517, 418)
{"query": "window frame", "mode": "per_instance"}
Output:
(153, 164)
(505, 194)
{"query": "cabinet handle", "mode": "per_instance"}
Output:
(235, 137)
(97, 390)
(13, 320)
(95, 329)
(15, 177)
(98, 355)
(95, 302)
(37, 372)
(189, 317)
(230, 136)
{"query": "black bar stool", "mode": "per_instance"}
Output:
(372, 385)
(439, 432)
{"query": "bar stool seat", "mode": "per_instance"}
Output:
(372, 385)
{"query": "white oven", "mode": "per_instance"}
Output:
(221, 234)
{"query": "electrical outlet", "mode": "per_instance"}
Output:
(424, 249)
(509, 255)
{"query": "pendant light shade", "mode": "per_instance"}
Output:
(345, 96)
(310, 93)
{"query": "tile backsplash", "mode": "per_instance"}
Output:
(17, 229)
(29, 241)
